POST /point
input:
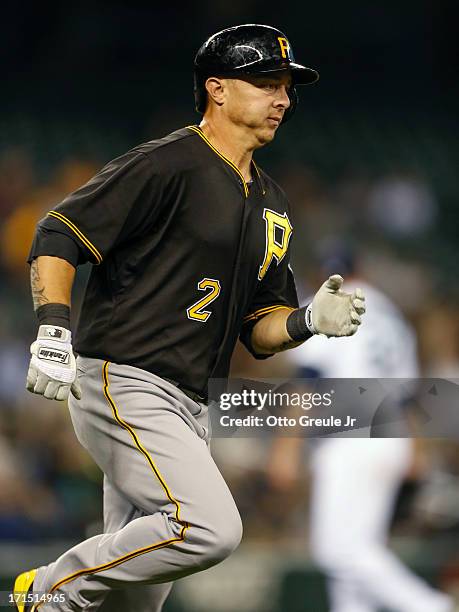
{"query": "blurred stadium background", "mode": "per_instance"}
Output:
(371, 155)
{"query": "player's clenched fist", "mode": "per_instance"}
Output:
(52, 369)
(334, 312)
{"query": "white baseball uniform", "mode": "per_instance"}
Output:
(356, 480)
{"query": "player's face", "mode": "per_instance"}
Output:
(259, 102)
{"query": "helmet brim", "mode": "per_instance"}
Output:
(302, 75)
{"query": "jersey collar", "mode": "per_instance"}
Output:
(197, 130)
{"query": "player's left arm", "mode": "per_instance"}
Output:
(332, 312)
(270, 335)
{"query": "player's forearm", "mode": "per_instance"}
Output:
(270, 334)
(52, 369)
(51, 280)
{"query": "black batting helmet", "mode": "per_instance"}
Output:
(248, 49)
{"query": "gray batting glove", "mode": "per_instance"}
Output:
(52, 369)
(333, 312)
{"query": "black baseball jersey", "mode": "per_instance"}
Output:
(187, 257)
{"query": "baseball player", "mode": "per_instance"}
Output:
(189, 242)
(355, 480)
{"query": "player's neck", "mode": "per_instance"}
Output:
(231, 142)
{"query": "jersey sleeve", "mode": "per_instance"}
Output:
(117, 204)
(55, 243)
(276, 291)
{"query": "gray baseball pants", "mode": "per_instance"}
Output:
(167, 510)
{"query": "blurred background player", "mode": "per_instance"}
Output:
(355, 481)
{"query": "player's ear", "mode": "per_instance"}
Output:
(215, 88)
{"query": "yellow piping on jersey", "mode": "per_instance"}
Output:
(198, 130)
(75, 230)
(263, 190)
(139, 551)
(264, 311)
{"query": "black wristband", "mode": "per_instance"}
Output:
(296, 325)
(54, 314)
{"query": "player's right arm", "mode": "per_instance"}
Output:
(51, 281)
(85, 227)
(52, 369)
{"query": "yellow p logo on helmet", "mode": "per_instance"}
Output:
(284, 46)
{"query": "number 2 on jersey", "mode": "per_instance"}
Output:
(196, 311)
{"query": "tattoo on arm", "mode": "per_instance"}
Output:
(38, 289)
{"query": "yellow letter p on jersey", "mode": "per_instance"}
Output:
(278, 233)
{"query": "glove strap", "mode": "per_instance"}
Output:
(299, 324)
(308, 319)
(54, 332)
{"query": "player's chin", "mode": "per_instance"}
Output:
(267, 132)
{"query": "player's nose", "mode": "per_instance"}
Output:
(282, 99)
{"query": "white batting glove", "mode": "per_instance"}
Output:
(52, 369)
(333, 312)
